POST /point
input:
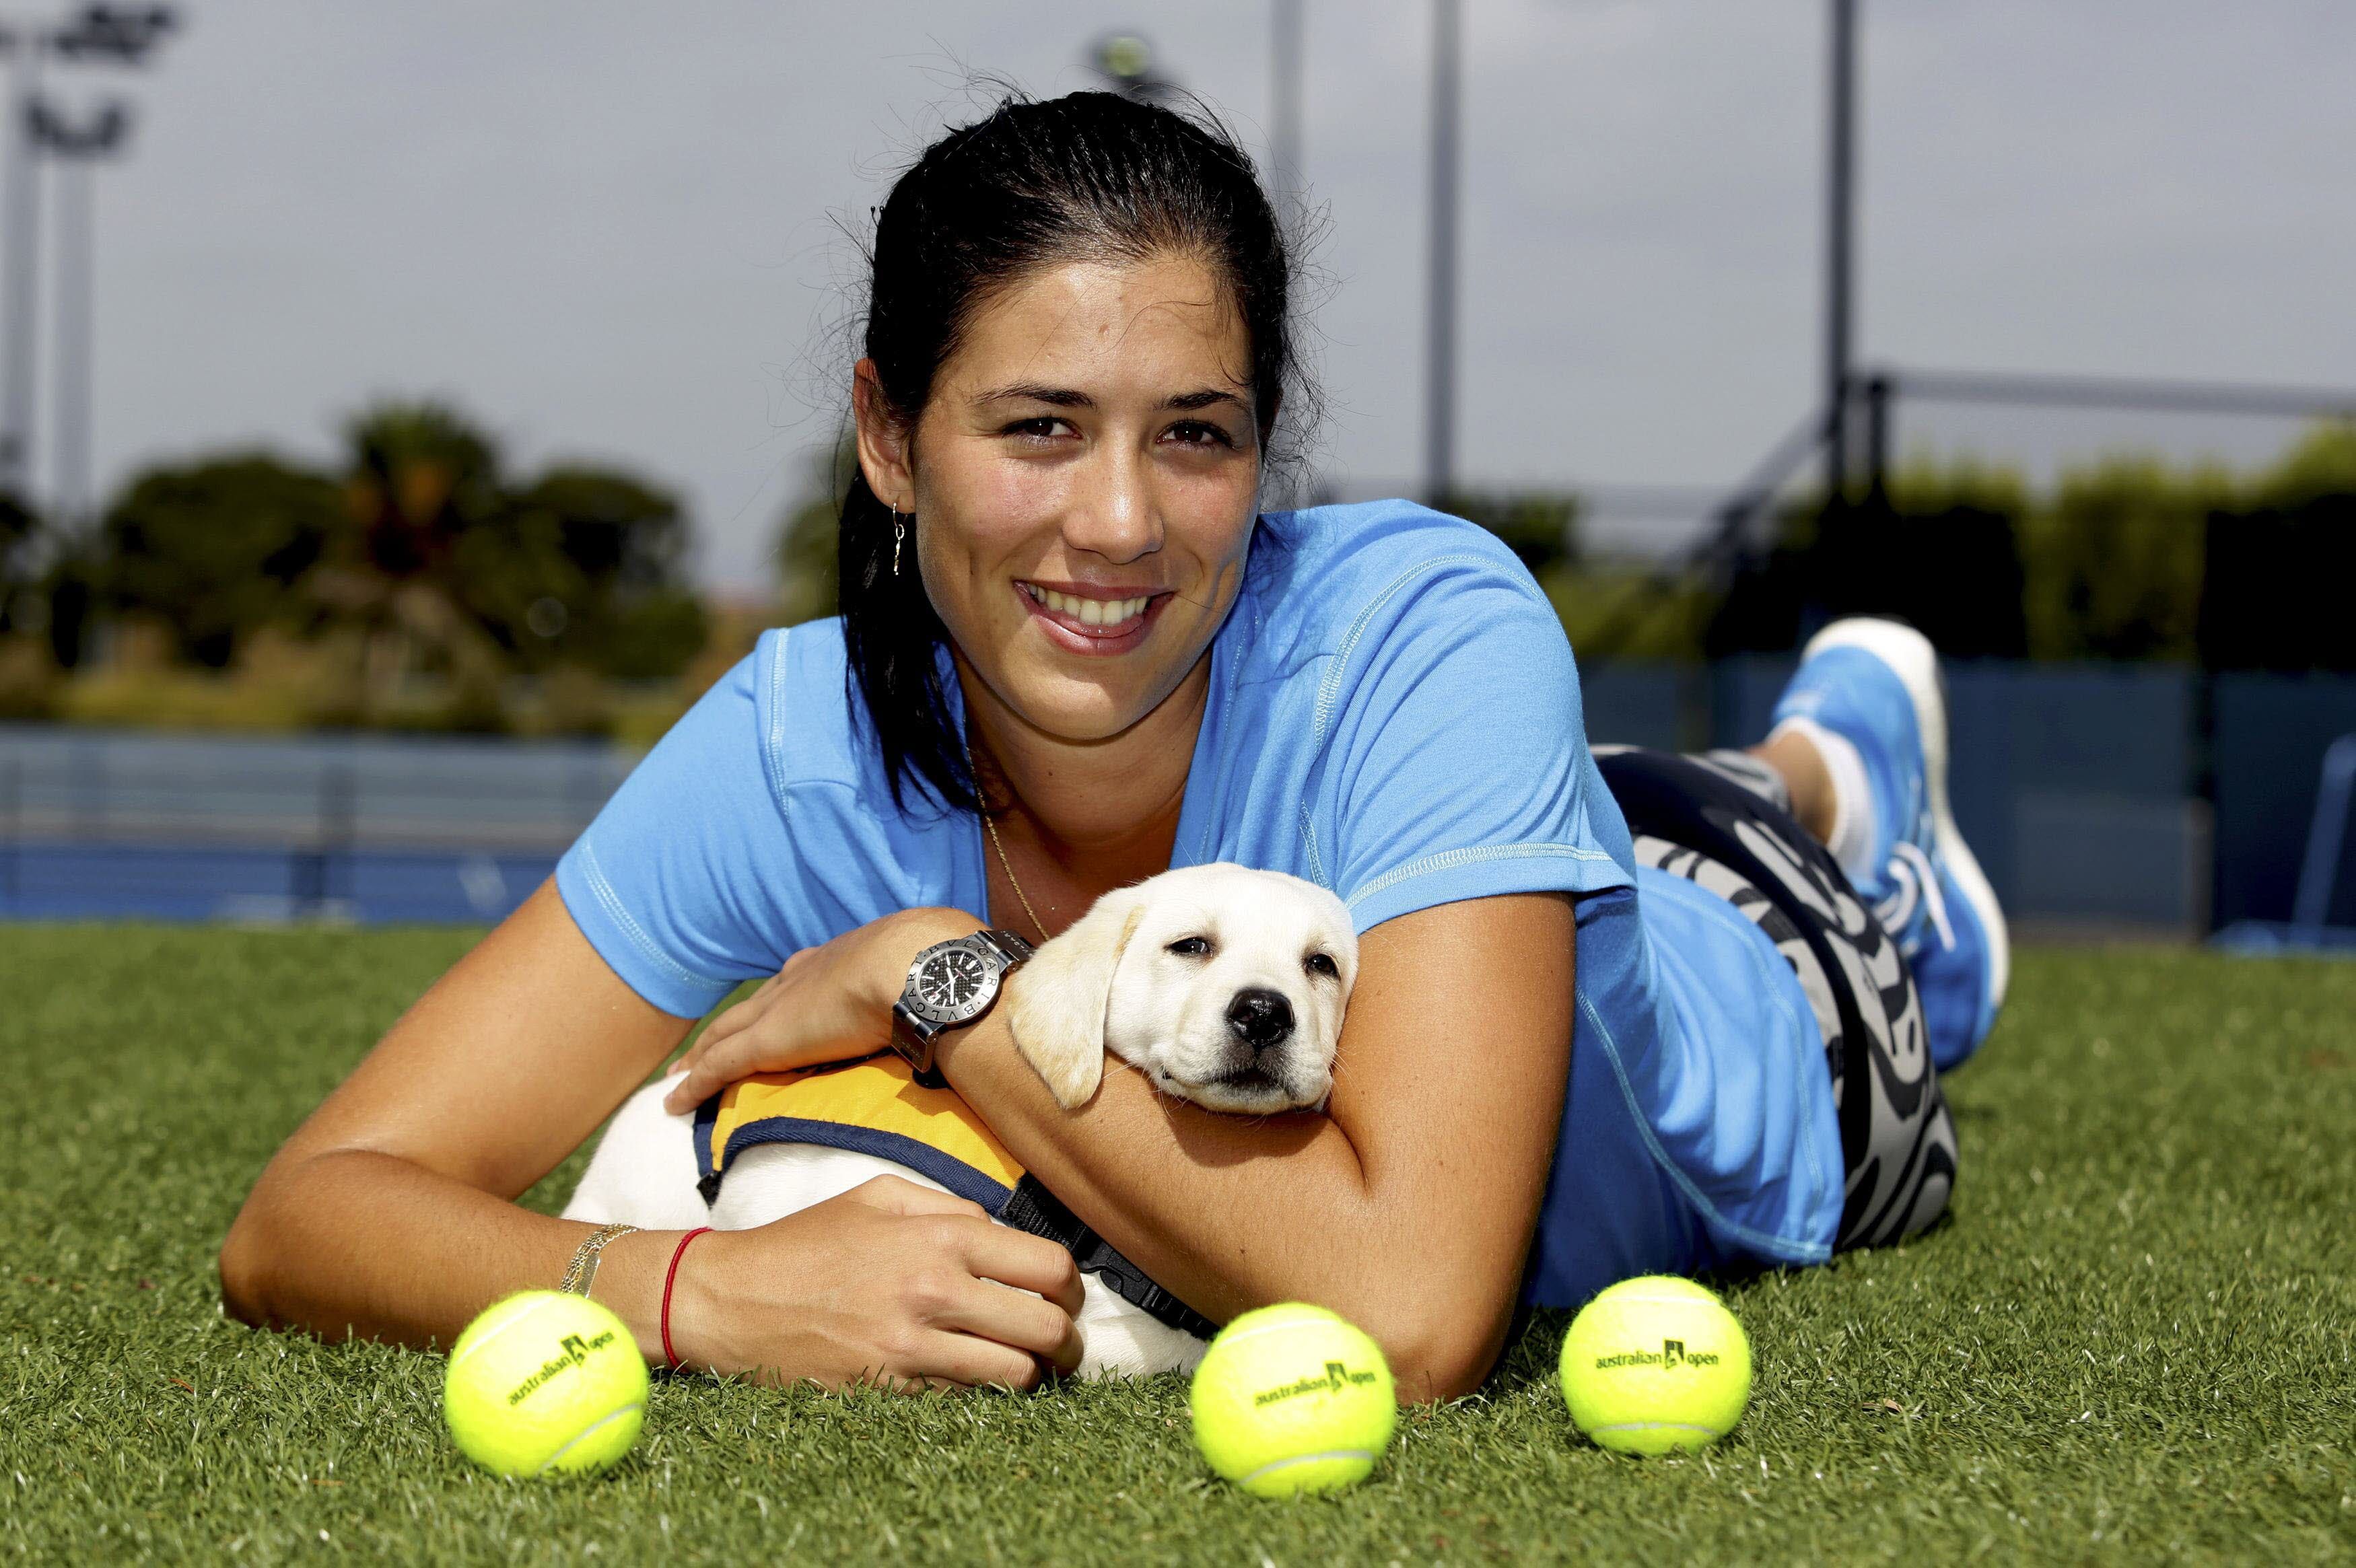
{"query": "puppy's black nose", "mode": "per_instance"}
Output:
(1260, 1018)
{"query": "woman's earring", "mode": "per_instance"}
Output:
(899, 532)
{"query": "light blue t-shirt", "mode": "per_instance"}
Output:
(1394, 714)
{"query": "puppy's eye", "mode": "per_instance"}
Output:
(1320, 964)
(1190, 947)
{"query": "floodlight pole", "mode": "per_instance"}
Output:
(77, 149)
(1285, 51)
(1440, 363)
(20, 198)
(99, 34)
(1841, 238)
(69, 424)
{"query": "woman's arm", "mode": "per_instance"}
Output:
(388, 1213)
(1408, 1208)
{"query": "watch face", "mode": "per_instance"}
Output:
(954, 984)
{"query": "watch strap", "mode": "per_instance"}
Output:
(1012, 946)
(912, 1036)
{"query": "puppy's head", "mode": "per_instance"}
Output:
(1224, 985)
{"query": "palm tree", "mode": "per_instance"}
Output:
(419, 479)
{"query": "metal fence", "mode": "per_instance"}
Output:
(2150, 795)
(2137, 794)
(98, 824)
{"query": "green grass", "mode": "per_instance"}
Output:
(2133, 1340)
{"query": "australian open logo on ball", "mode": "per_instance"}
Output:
(576, 1349)
(1672, 1353)
(1338, 1376)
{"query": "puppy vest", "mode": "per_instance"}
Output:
(876, 1107)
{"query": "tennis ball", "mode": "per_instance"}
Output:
(544, 1381)
(1292, 1399)
(1653, 1365)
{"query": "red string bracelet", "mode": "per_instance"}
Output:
(669, 1278)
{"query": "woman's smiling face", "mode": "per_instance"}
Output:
(1085, 478)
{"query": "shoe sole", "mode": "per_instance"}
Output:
(1910, 657)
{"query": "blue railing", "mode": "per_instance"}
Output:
(98, 824)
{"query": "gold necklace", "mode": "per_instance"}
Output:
(1000, 845)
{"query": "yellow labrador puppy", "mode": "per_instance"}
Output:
(1223, 985)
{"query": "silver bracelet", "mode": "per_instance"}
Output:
(583, 1269)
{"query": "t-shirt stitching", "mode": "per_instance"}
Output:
(1226, 705)
(773, 751)
(1331, 684)
(611, 900)
(1778, 1246)
(1448, 859)
(1309, 842)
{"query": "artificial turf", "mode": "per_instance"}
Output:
(2133, 1341)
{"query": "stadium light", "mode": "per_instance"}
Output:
(119, 33)
(1125, 60)
(94, 35)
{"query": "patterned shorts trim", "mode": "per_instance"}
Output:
(1711, 821)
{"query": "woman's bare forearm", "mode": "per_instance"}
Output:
(1230, 1213)
(1408, 1208)
(388, 1213)
(1233, 1213)
(357, 1244)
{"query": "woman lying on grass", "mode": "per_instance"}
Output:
(1066, 619)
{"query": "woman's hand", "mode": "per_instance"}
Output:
(892, 1282)
(829, 1003)
(388, 1214)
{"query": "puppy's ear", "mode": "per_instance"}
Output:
(1058, 1000)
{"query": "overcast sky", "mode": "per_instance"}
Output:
(611, 230)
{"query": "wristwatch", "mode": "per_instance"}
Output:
(950, 983)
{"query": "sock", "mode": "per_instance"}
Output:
(1855, 831)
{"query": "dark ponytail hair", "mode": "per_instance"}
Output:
(1091, 176)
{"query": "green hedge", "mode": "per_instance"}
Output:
(2127, 557)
